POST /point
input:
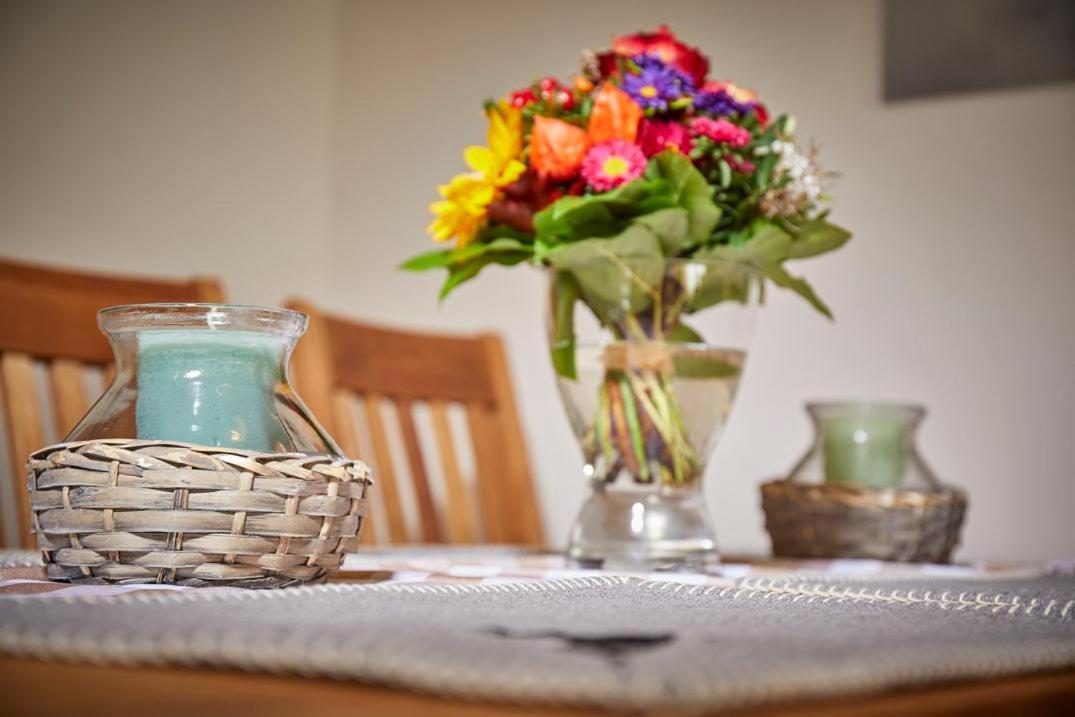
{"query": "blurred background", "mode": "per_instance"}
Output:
(292, 148)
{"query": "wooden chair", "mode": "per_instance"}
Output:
(49, 317)
(345, 369)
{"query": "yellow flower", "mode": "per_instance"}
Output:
(498, 164)
(466, 198)
(461, 212)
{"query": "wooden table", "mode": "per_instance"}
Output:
(44, 689)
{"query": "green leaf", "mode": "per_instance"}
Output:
(725, 174)
(690, 190)
(731, 270)
(722, 281)
(683, 334)
(764, 244)
(445, 258)
(565, 294)
(670, 226)
(617, 277)
(780, 276)
(765, 168)
(466, 270)
(436, 259)
(570, 219)
(817, 237)
(765, 252)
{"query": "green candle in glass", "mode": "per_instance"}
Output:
(864, 444)
(212, 388)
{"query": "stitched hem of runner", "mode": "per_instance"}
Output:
(776, 588)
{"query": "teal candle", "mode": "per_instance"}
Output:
(864, 450)
(210, 387)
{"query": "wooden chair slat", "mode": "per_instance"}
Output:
(487, 456)
(25, 430)
(67, 382)
(343, 418)
(423, 496)
(462, 527)
(386, 473)
(518, 495)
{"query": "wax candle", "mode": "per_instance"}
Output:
(210, 387)
(864, 450)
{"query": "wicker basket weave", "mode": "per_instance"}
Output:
(833, 521)
(130, 511)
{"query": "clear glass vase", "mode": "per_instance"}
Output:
(647, 398)
(206, 374)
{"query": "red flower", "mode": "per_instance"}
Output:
(655, 137)
(522, 98)
(663, 44)
(762, 113)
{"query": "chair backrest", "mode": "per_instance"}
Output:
(50, 349)
(354, 377)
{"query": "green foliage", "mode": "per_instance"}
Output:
(690, 190)
(618, 276)
(766, 251)
(571, 219)
(817, 237)
(613, 246)
(464, 263)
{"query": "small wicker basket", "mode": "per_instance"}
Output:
(808, 520)
(134, 511)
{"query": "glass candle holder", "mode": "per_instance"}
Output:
(865, 443)
(207, 374)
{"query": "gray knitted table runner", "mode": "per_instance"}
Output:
(617, 642)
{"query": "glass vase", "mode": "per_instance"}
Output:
(647, 398)
(210, 375)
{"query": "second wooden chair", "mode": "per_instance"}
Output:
(343, 368)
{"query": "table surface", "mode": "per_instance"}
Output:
(29, 685)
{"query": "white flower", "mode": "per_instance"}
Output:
(799, 178)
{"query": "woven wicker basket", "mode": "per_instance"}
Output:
(129, 511)
(833, 521)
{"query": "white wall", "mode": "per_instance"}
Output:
(169, 138)
(272, 143)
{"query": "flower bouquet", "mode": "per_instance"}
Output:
(651, 193)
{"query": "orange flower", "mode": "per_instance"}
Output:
(614, 116)
(557, 148)
(582, 84)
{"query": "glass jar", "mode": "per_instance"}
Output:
(867, 444)
(647, 397)
(206, 374)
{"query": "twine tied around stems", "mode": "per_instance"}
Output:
(655, 356)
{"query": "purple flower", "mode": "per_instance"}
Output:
(721, 104)
(656, 84)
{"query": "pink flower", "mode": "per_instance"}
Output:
(655, 137)
(609, 164)
(720, 130)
